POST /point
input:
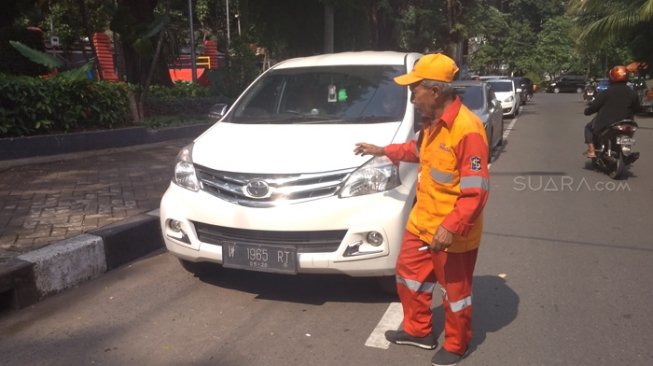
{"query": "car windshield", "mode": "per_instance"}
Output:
(501, 86)
(329, 94)
(471, 96)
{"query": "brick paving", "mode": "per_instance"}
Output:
(44, 202)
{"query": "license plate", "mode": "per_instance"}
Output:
(625, 140)
(256, 257)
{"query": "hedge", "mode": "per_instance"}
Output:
(32, 106)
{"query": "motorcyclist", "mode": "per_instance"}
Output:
(617, 102)
(590, 89)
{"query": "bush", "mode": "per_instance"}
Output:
(31, 106)
(171, 106)
(182, 99)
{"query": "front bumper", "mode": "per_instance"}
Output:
(508, 108)
(354, 217)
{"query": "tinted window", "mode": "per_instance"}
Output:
(471, 96)
(498, 86)
(333, 94)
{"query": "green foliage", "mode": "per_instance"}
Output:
(41, 58)
(556, 53)
(237, 72)
(180, 89)
(619, 23)
(11, 61)
(177, 106)
(30, 106)
(172, 121)
(183, 99)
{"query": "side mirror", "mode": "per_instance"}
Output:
(218, 110)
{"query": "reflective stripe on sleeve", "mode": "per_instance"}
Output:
(440, 176)
(416, 285)
(459, 305)
(475, 182)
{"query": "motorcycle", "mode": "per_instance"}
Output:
(614, 148)
(589, 93)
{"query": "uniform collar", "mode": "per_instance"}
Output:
(450, 113)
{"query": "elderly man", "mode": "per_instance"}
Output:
(444, 228)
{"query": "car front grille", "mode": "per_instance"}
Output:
(305, 241)
(266, 190)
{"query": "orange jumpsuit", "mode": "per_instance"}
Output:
(452, 189)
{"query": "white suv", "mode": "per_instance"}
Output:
(275, 186)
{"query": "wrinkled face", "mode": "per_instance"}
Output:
(425, 99)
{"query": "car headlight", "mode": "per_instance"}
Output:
(377, 175)
(185, 175)
(509, 99)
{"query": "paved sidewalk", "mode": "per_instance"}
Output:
(45, 200)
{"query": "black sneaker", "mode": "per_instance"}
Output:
(403, 338)
(445, 358)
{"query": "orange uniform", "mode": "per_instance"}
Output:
(452, 189)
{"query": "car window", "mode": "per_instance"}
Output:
(471, 96)
(501, 86)
(333, 94)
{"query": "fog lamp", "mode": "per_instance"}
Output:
(175, 225)
(375, 238)
(176, 231)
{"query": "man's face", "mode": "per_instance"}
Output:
(424, 99)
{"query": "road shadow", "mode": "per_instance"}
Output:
(589, 166)
(495, 306)
(311, 289)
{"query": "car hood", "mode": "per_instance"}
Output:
(287, 149)
(502, 95)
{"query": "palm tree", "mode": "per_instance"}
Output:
(602, 19)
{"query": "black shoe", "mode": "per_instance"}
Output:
(403, 338)
(445, 358)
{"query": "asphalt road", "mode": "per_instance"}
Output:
(563, 278)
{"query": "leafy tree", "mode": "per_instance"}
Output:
(622, 22)
(555, 52)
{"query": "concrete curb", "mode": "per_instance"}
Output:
(14, 148)
(44, 272)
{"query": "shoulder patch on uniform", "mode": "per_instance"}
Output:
(475, 163)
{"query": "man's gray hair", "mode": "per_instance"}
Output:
(446, 89)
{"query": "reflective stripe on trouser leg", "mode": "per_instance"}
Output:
(454, 272)
(415, 284)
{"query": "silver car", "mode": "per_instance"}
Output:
(480, 99)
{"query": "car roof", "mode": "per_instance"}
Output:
(468, 83)
(351, 58)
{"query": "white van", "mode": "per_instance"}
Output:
(275, 186)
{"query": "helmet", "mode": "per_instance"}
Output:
(618, 73)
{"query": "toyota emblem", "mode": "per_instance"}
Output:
(257, 188)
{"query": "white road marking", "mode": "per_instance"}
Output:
(506, 132)
(393, 316)
(391, 320)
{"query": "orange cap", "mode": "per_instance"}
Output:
(434, 66)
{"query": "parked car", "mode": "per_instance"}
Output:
(567, 84)
(275, 186)
(479, 97)
(506, 92)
